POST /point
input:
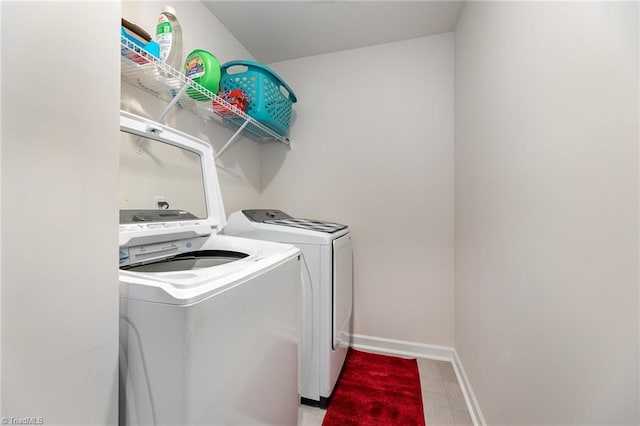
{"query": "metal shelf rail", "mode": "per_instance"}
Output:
(143, 70)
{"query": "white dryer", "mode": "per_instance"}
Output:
(327, 297)
(208, 323)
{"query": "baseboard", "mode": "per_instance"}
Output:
(423, 350)
(467, 390)
(401, 348)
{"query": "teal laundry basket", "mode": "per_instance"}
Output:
(270, 98)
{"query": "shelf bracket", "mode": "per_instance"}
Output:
(171, 104)
(232, 140)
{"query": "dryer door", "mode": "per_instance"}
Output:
(342, 291)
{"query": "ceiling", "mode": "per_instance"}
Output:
(280, 30)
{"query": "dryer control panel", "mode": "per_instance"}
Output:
(262, 215)
(278, 217)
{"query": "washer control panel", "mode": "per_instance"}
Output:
(138, 216)
(144, 227)
(153, 252)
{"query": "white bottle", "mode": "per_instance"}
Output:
(169, 37)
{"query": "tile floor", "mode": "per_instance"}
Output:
(442, 397)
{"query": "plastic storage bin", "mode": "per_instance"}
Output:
(137, 45)
(269, 96)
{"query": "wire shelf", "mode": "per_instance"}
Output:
(143, 70)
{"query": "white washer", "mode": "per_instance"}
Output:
(327, 297)
(208, 323)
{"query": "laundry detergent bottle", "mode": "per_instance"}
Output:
(169, 37)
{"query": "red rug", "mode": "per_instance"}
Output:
(376, 390)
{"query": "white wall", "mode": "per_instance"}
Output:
(0, 218)
(547, 210)
(59, 211)
(239, 167)
(373, 148)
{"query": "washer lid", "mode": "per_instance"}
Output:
(169, 185)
